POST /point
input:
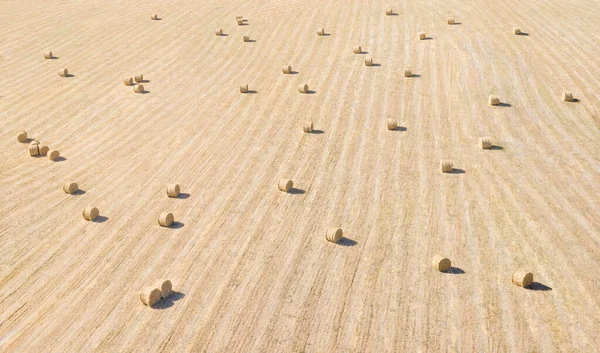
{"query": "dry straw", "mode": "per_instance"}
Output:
(308, 127)
(166, 288)
(90, 213)
(516, 31)
(303, 88)
(321, 32)
(165, 219)
(246, 38)
(485, 142)
(138, 89)
(244, 88)
(392, 124)
(33, 150)
(422, 36)
(567, 96)
(522, 278)
(22, 136)
(219, 31)
(43, 150)
(138, 78)
(150, 296)
(173, 190)
(494, 100)
(333, 234)
(128, 81)
(441, 263)
(285, 185)
(357, 49)
(48, 55)
(369, 61)
(407, 72)
(70, 188)
(53, 155)
(287, 69)
(63, 72)
(446, 166)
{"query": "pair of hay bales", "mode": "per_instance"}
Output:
(90, 213)
(151, 295)
(35, 149)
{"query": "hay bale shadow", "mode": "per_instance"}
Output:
(537, 286)
(168, 301)
(455, 271)
(296, 191)
(346, 242)
(100, 219)
(183, 196)
(457, 171)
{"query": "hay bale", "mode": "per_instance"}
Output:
(522, 278)
(451, 21)
(407, 72)
(441, 263)
(138, 78)
(287, 69)
(494, 100)
(154, 17)
(219, 31)
(369, 61)
(516, 31)
(333, 234)
(63, 72)
(22, 136)
(166, 288)
(33, 150)
(150, 296)
(285, 185)
(173, 190)
(321, 32)
(138, 89)
(165, 219)
(244, 88)
(567, 96)
(446, 166)
(389, 12)
(53, 155)
(392, 124)
(357, 49)
(240, 22)
(246, 38)
(422, 36)
(303, 88)
(90, 213)
(43, 150)
(239, 17)
(128, 81)
(48, 55)
(307, 127)
(485, 142)
(70, 188)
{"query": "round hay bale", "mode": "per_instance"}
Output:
(138, 78)
(219, 31)
(34, 142)
(48, 55)
(567, 96)
(389, 12)
(407, 72)
(392, 124)
(240, 21)
(334, 234)
(173, 190)
(446, 166)
(369, 61)
(246, 38)
(522, 278)
(307, 127)
(165, 219)
(239, 17)
(244, 88)
(43, 150)
(285, 185)
(451, 21)
(321, 32)
(516, 31)
(33, 150)
(53, 155)
(485, 142)
(422, 36)
(441, 263)
(494, 100)
(150, 296)
(70, 188)
(63, 72)
(357, 49)
(303, 88)
(287, 69)
(154, 17)
(166, 288)
(128, 81)
(138, 89)
(90, 213)
(22, 136)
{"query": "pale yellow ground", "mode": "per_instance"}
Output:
(250, 264)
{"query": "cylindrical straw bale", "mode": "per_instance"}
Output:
(70, 188)
(441, 263)
(494, 100)
(138, 89)
(285, 184)
(389, 12)
(567, 96)
(138, 78)
(369, 61)
(22, 136)
(128, 81)
(165, 286)
(307, 127)
(33, 150)
(48, 55)
(334, 234)
(407, 72)
(516, 31)
(357, 49)
(446, 166)
(239, 17)
(43, 150)
(321, 31)
(451, 21)
(485, 142)
(244, 88)
(392, 124)
(173, 190)
(63, 72)
(219, 31)
(286, 69)
(303, 88)
(53, 155)
(165, 219)
(422, 36)
(246, 38)
(154, 17)
(522, 278)
(150, 296)
(90, 213)
(240, 21)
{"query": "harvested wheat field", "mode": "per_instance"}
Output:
(254, 265)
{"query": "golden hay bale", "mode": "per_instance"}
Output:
(516, 31)
(522, 278)
(357, 49)
(34, 142)
(307, 127)
(246, 38)
(493, 100)
(407, 72)
(369, 61)
(43, 150)
(485, 142)
(70, 188)
(240, 21)
(63, 72)
(451, 21)
(333, 234)
(173, 190)
(286, 69)
(239, 17)
(150, 296)
(244, 88)
(321, 32)
(90, 213)
(567, 96)
(166, 288)
(303, 88)
(441, 263)
(392, 124)
(128, 81)
(33, 150)
(285, 184)
(165, 219)
(138, 89)
(446, 166)
(154, 17)
(138, 78)
(48, 55)
(219, 31)
(22, 136)
(389, 12)
(53, 155)
(422, 36)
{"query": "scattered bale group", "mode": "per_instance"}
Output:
(422, 36)
(173, 190)
(334, 234)
(48, 55)
(567, 96)
(246, 38)
(90, 213)
(303, 88)
(70, 188)
(165, 219)
(139, 78)
(22, 136)
(446, 166)
(485, 142)
(244, 88)
(307, 127)
(53, 155)
(285, 185)
(516, 31)
(138, 89)
(441, 263)
(63, 72)
(128, 81)
(407, 72)
(219, 32)
(494, 100)
(369, 61)
(287, 69)
(357, 49)
(321, 32)
(150, 296)
(392, 124)
(522, 278)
